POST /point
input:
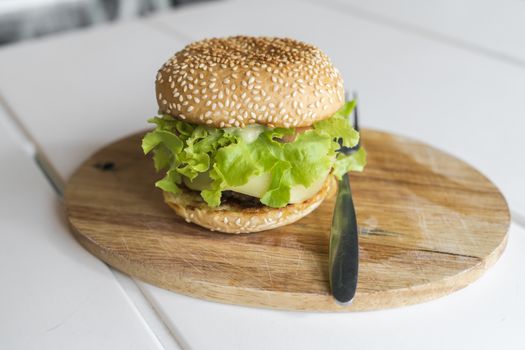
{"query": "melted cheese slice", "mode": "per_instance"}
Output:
(258, 185)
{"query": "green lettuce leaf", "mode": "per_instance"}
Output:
(278, 195)
(169, 139)
(310, 156)
(162, 157)
(170, 182)
(354, 162)
(338, 126)
(236, 163)
(230, 158)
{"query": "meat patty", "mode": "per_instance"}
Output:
(243, 200)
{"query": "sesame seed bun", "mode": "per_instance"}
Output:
(234, 219)
(236, 81)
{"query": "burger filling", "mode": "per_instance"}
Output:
(277, 166)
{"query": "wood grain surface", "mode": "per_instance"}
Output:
(429, 225)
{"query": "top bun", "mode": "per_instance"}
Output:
(241, 80)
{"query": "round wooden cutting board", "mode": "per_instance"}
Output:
(429, 225)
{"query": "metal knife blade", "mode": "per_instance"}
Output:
(344, 247)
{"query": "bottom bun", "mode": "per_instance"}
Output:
(235, 218)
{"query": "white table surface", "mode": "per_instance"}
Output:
(76, 92)
(54, 294)
(493, 28)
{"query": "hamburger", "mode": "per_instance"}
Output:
(248, 132)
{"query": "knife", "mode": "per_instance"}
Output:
(344, 249)
(344, 242)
